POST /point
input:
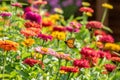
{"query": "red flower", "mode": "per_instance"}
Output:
(104, 54)
(110, 67)
(31, 62)
(94, 24)
(89, 52)
(99, 32)
(59, 29)
(82, 63)
(106, 38)
(117, 59)
(86, 9)
(47, 23)
(69, 69)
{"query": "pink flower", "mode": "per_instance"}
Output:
(86, 9)
(17, 4)
(70, 29)
(106, 38)
(94, 24)
(45, 37)
(76, 25)
(82, 63)
(110, 67)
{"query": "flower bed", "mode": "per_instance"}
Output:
(37, 45)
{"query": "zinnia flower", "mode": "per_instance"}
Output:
(28, 42)
(17, 4)
(33, 17)
(106, 38)
(86, 9)
(108, 6)
(104, 54)
(69, 69)
(94, 24)
(76, 25)
(8, 45)
(86, 4)
(31, 62)
(117, 59)
(82, 63)
(5, 14)
(45, 37)
(60, 29)
(110, 67)
(112, 46)
(30, 24)
(99, 32)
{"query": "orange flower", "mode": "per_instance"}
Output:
(117, 59)
(8, 45)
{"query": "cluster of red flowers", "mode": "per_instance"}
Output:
(82, 63)
(31, 62)
(69, 69)
(99, 32)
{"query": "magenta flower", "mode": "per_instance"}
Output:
(57, 28)
(82, 63)
(33, 16)
(45, 37)
(106, 38)
(94, 24)
(104, 54)
(17, 4)
(5, 14)
(70, 29)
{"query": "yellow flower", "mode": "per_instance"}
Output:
(3, 8)
(61, 36)
(112, 46)
(108, 6)
(86, 4)
(55, 17)
(62, 72)
(36, 55)
(54, 34)
(28, 42)
(89, 14)
(44, 50)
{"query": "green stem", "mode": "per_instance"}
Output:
(57, 74)
(104, 15)
(4, 64)
(84, 19)
(66, 62)
(43, 57)
(68, 76)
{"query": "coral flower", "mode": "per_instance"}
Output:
(99, 32)
(117, 59)
(94, 24)
(33, 17)
(106, 38)
(31, 62)
(108, 6)
(32, 24)
(39, 2)
(8, 45)
(45, 37)
(17, 4)
(110, 67)
(82, 63)
(69, 69)
(28, 42)
(86, 9)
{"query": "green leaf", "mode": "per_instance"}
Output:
(107, 29)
